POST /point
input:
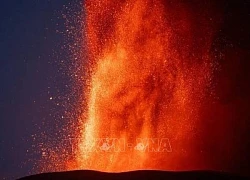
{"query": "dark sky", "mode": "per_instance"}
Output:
(31, 49)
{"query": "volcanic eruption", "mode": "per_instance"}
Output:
(150, 67)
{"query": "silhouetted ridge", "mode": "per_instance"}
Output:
(141, 174)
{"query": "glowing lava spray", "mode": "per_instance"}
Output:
(150, 67)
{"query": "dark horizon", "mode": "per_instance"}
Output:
(139, 174)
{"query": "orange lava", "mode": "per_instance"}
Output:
(150, 68)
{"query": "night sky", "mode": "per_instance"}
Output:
(34, 82)
(35, 89)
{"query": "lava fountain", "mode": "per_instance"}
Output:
(150, 68)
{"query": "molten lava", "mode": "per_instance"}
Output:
(150, 67)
